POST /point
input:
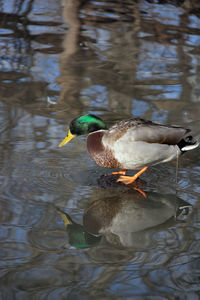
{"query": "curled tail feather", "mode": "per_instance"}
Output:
(188, 143)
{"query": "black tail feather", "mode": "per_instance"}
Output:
(188, 143)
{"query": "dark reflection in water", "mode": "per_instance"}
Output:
(59, 59)
(128, 221)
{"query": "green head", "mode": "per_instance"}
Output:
(83, 125)
(78, 236)
(86, 124)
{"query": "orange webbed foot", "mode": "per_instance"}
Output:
(131, 179)
(127, 179)
(121, 172)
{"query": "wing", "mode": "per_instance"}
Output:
(156, 133)
(142, 130)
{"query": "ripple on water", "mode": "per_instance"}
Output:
(48, 177)
(33, 176)
(178, 278)
(50, 240)
(13, 253)
(182, 274)
(40, 277)
(5, 211)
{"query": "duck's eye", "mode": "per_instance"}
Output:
(93, 127)
(73, 127)
(73, 123)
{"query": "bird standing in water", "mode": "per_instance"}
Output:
(131, 144)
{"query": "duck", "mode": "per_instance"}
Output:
(132, 144)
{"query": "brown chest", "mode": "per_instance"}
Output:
(103, 156)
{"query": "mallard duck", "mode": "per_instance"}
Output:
(131, 144)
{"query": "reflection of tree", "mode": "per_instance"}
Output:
(70, 79)
(75, 67)
(126, 58)
(23, 7)
(18, 83)
(16, 60)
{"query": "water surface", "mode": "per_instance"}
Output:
(68, 232)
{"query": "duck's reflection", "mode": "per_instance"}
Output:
(127, 220)
(78, 235)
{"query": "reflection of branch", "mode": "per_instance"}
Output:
(19, 7)
(70, 77)
(71, 17)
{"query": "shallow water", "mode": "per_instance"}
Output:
(114, 59)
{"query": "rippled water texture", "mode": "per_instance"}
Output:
(67, 231)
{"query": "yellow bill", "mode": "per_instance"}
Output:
(66, 219)
(67, 139)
